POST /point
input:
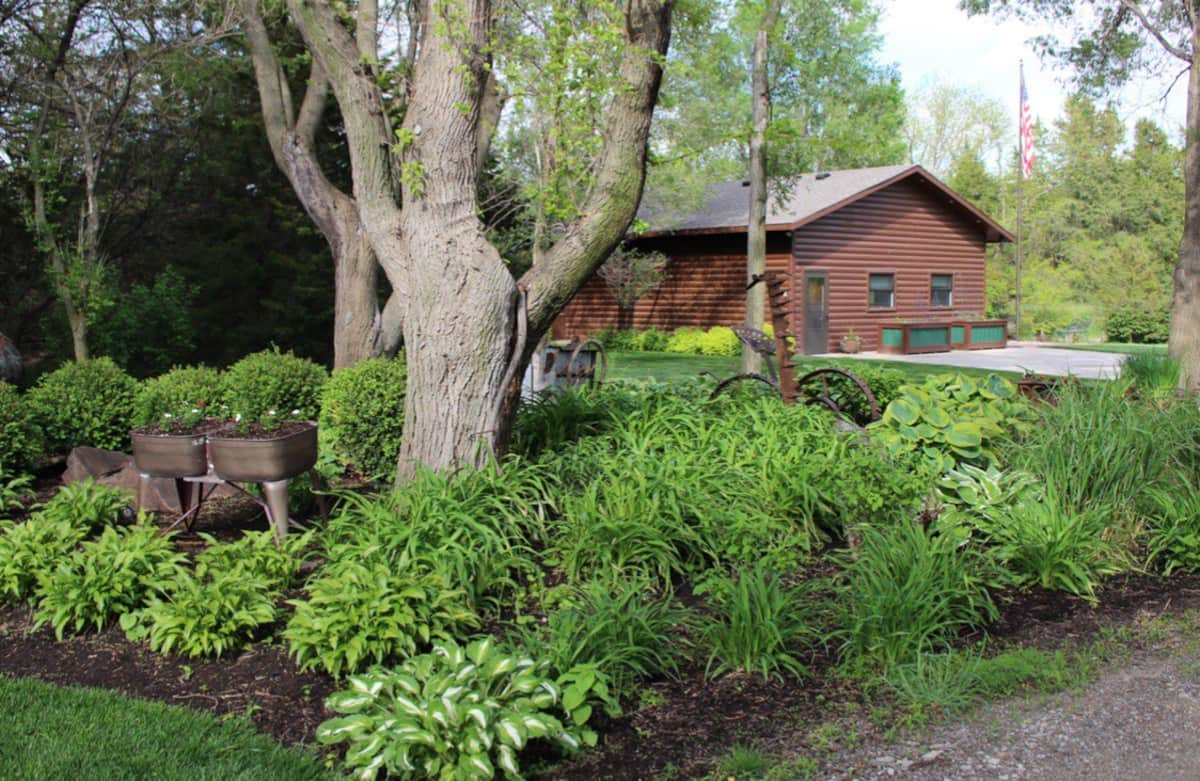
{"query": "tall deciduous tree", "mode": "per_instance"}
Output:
(947, 123)
(361, 329)
(1124, 38)
(469, 329)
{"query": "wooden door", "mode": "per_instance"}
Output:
(816, 312)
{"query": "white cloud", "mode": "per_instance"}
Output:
(934, 40)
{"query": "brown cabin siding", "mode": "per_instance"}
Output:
(705, 286)
(906, 230)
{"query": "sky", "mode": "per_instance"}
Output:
(934, 40)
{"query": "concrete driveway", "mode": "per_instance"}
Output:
(1017, 357)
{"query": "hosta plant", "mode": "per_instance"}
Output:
(14, 490)
(87, 505)
(107, 577)
(257, 555)
(204, 616)
(31, 550)
(453, 714)
(954, 419)
(358, 614)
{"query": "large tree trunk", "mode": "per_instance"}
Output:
(1185, 298)
(756, 227)
(465, 336)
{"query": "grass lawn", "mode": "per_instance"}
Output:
(672, 367)
(1115, 347)
(54, 732)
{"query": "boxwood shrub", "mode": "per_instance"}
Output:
(181, 386)
(20, 437)
(362, 414)
(274, 380)
(84, 403)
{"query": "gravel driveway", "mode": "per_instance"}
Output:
(1140, 720)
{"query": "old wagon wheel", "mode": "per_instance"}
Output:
(729, 382)
(841, 392)
(596, 372)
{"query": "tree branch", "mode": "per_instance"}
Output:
(620, 174)
(1133, 7)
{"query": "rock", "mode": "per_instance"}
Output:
(112, 468)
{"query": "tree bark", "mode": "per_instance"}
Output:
(1184, 342)
(756, 227)
(358, 322)
(464, 335)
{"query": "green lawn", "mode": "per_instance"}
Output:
(672, 367)
(53, 732)
(1115, 347)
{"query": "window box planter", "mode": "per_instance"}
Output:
(978, 334)
(914, 338)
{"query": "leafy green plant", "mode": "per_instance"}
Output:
(1154, 375)
(908, 590)
(362, 613)
(15, 490)
(1138, 323)
(271, 380)
(257, 555)
(758, 627)
(87, 505)
(1174, 511)
(618, 627)
(84, 403)
(1042, 543)
(453, 714)
(107, 577)
(20, 436)
(953, 419)
(362, 414)
(31, 550)
(183, 387)
(685, 340)
(204, 616)
(947, 681)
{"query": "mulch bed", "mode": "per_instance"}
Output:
(690, 724)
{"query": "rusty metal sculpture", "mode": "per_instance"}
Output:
(837, 390)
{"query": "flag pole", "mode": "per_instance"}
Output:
(1020, 191)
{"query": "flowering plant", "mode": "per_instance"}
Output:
(269, 421)
(184, 418)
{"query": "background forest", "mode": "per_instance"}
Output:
(148, 193)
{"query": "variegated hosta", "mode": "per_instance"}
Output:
(454, 713)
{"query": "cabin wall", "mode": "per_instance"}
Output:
(908, 230)
(705, 286)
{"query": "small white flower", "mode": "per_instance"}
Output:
(296, 412)
(271, 412)
(237, 418)
(195, 411)
(166, 414)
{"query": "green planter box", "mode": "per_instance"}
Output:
(914, 338)
(981, 334)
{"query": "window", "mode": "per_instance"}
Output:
(883, 289)
(941, 290)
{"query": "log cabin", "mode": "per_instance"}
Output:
(874, 251)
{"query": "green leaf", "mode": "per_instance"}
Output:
(964, 435)
(904, 411)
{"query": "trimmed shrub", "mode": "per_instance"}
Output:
(685, 340)
(362, 414)
(274, 380)
(167, 393)
(653, 341)
(20, 436)
(720, 340)
(1138, 323)
(84, 403)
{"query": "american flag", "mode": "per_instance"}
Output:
(1026, 130)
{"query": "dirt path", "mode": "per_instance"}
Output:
(1138, 720)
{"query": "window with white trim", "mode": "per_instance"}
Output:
(941, 290)
(882, 291)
